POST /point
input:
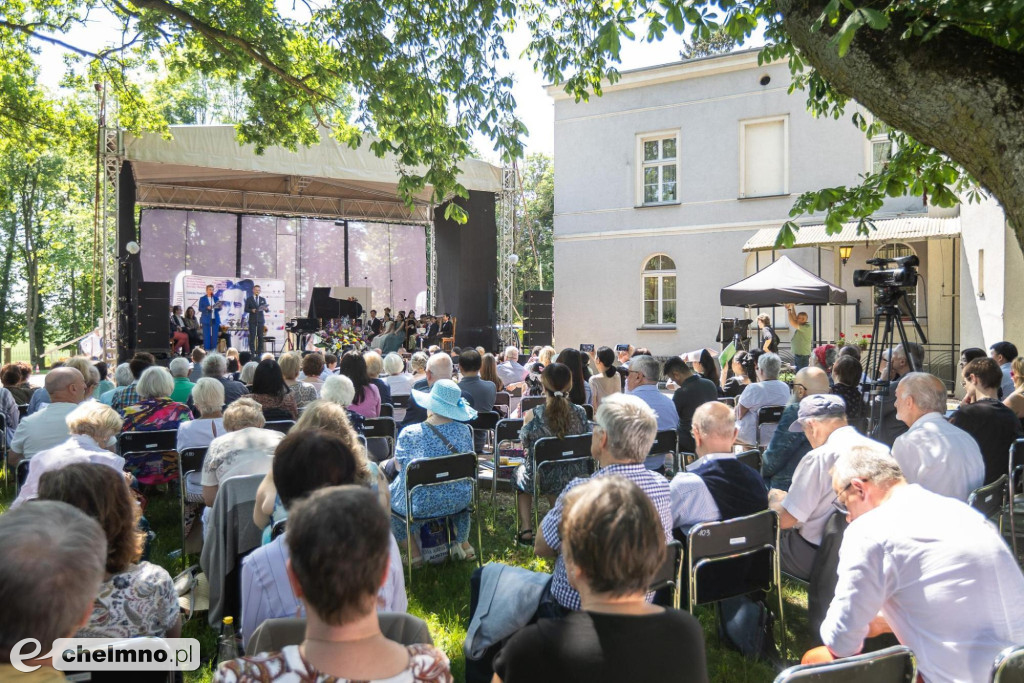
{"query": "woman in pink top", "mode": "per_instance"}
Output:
(367, 398)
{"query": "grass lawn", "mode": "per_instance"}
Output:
(439, 595)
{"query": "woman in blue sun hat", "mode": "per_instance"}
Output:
(443, 433)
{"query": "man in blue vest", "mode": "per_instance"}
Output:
(209, 317)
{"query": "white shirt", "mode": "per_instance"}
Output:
(940, 457)
(511, 372)
(400, 384)
(772, 392)
(247, 451)
(43, 429)
(942, 577)
(810, 495)
(77, 448)
(692, 503)
(199, 433)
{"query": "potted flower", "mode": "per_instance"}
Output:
(864, 341)
(842, 340)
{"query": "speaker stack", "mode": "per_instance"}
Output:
(538, 323)
(152, 316)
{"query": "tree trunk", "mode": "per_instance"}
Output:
(958, 93)
(31, 258)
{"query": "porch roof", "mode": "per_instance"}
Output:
(912, 228)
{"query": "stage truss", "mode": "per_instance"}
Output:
(506, 248)
(111, 158)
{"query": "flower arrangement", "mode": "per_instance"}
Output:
(339, 335)
(863, 342)
(842, 340)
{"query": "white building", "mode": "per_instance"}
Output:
(676, 181)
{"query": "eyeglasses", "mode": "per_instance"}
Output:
(841, 507)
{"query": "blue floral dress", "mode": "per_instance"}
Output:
(418, 441)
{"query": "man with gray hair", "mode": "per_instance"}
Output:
(926, 567)
(806, 507)
(767, 391)
(439, 366)
(216, 366)
(182, 384)
(623, 434)
(122, 378)
(50, 604)
(47, 427)
(894, 365)
(934, 453)
(642, 381)
(510, 371)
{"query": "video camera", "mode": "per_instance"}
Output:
(905, 275)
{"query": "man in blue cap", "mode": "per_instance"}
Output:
(805, 509)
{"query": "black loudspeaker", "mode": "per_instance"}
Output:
(537, 296)
(541, 325)
(152, 313)
(542, 311)
(531, 339)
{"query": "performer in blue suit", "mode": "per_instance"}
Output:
(209, 316)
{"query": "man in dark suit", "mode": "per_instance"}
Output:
(431, 337)
(447, 328)
(374, 325)
(256, 308)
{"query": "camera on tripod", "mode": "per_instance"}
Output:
(905, 275)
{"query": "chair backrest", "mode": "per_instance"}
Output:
(531, 402)
(751, 458)
(552, 453)
(891, 665)
(485, 421)
(378, 448)
(400, 401)
(274, 634)
(988, 499)
(728, 400)
(191, 459)
(23, 409)
(280, 425)
(147, 442)
(665, 442)
(769, 414)
(668, 573)
(508, 429)
(589, 410)
(387, 410)
(20, 475)
(441, 470)
(1016, 464)
(729, 540)
(379, 426)
(1009, 665)
(502, 398)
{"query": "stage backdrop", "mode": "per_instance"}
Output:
(187, 290)
(302, 253)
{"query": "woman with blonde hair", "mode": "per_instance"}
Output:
(303, 393)
(558, 417)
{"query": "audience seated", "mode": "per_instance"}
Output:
(127, 395)
(340, 390)
(338, 557)
(374, 367)
(9, 408)
(245, 376)
(573, 359)
(481, 391)
(179, 369)
(933, 453)
(1003, 353)
(216, 366)
(894, 366)
(706, 366)
(558, 417)
(47, 428)
(925, 567)
(312, 371)
(14, 382)
(693, 392)
(1015, 401)
(612, 546)
(304, 461)
(418, 366)
(642, 382)
(606, 382)
(767, 391)
(439, 435)
(806, 507)
(137, 598)
(847, 374)
(301, 392)
(51, 604)
(122, 378)
(367, 400)
(198, 354)
(208, 399)
(489, 371)
(399, 381)
(993, 426)
(786, 448)
(91, 426)
(271, 392)
(246, 448)
(624, 431)
(737, 379)
(438, 366)
(155, 409)
(509, 370)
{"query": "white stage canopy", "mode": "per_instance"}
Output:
(205, 168)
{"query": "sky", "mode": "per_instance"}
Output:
(533, 105)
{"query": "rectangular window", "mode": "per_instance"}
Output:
(981, 273)
(764, 157)
(880, 148)
(658, 168)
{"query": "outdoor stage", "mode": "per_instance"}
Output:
(323, 216)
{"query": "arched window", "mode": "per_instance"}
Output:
(659, 291)
(895, 250)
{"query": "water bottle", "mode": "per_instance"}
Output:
(228, 646)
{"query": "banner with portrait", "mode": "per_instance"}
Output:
(233, 292)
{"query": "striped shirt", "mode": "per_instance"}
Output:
(652, 483)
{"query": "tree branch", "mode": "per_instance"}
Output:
(31, 32)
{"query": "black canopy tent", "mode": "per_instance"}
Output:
(783, 282)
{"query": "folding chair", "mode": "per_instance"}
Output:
(20, 475)
(137, 448)
(448, 469)
(380, 437)
(766, 415)
(1016, 475)
(670, 573)
(1009, 665)
(387, 410)
(728, 400)
(589, 410)
(3, 451)
(531, 402)
(551, 454)
(892, 665)
(742, 543)
(503, 403)
(280, 425)
(665, 443)
(22, 409)
(989, 500)
(751, 458)
(506, 431)
(190, 461)
(485, 422)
